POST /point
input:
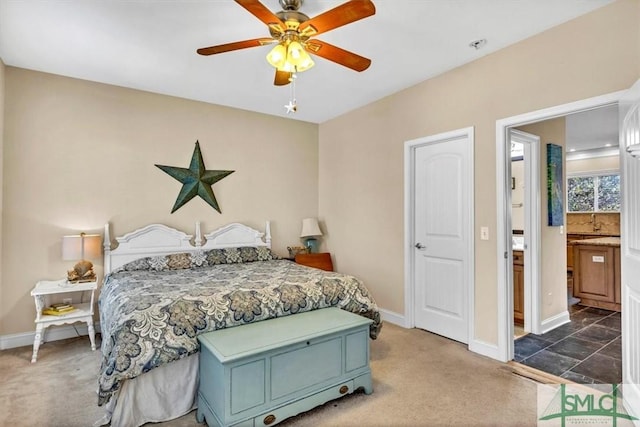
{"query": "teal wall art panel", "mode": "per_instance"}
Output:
(555, 186)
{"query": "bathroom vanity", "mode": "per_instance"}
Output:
(596, 272)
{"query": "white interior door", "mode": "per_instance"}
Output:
(630, 247)
(532, 238)
(442, 242)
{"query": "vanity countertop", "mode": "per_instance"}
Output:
(602, 241)
(592, 233)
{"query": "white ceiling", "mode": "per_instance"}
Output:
(592, 133)
(151, 45)
(592, 130)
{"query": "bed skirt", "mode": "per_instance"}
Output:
(162, 394)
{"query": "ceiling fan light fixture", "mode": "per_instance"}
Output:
(278, 56)
(292, 31)
(290, 56)
(298, 57)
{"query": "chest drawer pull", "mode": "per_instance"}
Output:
(269, 419)
(344, 389)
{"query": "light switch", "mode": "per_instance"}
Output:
(484, 233)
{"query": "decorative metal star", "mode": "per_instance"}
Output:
(291, 107)
(196, 180)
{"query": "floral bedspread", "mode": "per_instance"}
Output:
(151, 315)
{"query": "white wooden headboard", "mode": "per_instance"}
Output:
(158, 240)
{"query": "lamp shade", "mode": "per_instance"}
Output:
(298, 57)
(81, 246)
(290, 57)
(278, 56)
(310, 228)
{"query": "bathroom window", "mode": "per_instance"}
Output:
(593, 193)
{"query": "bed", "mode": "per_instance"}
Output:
(163, 287)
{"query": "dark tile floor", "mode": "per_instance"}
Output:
(587, 350)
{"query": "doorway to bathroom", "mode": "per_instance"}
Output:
(587, 349)
(572, 341)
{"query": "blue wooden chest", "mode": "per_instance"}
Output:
(262, 373)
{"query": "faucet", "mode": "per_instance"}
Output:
(596, 225)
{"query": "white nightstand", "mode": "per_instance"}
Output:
(84, 312)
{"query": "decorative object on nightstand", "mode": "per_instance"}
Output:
(82, 312)
(79, 247)
(295, 250)
(310, 230)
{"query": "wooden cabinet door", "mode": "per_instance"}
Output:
(518, 293)
(594, 275)
(571, 237)
(569, 257)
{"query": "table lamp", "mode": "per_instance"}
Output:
(310, 230)
(79, 247)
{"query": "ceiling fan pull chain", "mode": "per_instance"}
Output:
(292, 106)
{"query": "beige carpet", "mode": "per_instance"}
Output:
(419, 379)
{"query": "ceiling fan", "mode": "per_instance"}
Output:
(293, 31)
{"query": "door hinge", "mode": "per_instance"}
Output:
(506, 255)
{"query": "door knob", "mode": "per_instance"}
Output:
(420, 246)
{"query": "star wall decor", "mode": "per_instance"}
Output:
(196, 181)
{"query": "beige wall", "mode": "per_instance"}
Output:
(361, 153)
(553, 241)
(595, 164)
(80, 154)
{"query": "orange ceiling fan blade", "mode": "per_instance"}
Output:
(344, 14)
(338, 55)
(282, 78)
(261, 12)
(212, 50)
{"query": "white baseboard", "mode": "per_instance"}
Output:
(392, 317)
(485, 349)
(52, 333)
(554, 321)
